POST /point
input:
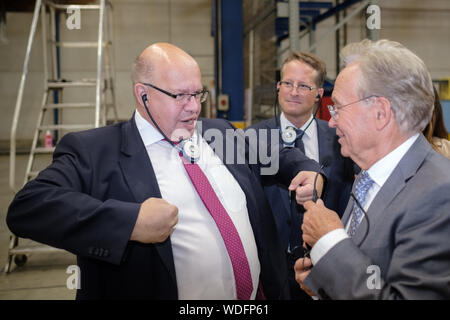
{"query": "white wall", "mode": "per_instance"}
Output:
(137, 24)
(423, 26)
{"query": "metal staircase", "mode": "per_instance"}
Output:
(62, 106)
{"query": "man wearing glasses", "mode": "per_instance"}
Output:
(393, 240)
(298, 92)
(151, 209)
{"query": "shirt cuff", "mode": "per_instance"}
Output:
(325, 243)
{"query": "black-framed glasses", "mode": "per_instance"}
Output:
(299, 87)
(333, 109)
(182, 98)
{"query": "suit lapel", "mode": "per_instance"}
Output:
(405, 169)
(283, 216)
(273, 124)
(138, 171)
(135, 164)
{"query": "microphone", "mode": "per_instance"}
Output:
(277, 122)
(325, 163)
(144, 100)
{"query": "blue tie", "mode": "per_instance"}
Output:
(299, 141)
(363, 184)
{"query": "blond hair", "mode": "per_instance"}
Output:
(310, 59)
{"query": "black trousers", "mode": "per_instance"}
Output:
(294, 287)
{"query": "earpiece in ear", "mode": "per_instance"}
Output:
(144, 98)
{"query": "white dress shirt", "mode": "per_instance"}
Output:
(379, 173)
(202, 264)
(310, 138)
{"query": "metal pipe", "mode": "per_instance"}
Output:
(251, 61)
(337, 39)
(372, 33)
(312, 36)
(12, 151)
(340, 24)
(294, 25)
(98, 90)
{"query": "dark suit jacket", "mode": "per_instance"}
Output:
(339, 173)
(87, 202)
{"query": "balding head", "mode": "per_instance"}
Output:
(161, 73)
(160, 58)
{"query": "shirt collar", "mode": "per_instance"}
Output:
(149, 133)
(382, 169)
(284, 123)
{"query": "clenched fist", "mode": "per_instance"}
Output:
(156, 221)
(303, 184)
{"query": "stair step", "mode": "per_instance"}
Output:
(34, 249)
(32, 174)
(69, 105)
(44, 150)
(78, 6)
(68, 84)
(79, 44)
(74, 127)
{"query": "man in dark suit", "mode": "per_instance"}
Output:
(144, 203)
(300, 89)
(393, 240)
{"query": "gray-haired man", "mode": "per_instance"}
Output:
(393, 241)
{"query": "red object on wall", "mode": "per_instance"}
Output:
(323, 112)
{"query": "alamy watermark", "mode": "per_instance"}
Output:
(235, 146)
(74, 280)
(73, 20)
(374, 280)
(373, 21)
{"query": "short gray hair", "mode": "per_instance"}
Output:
(141, 70)
(391, 70)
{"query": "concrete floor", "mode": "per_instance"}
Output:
(43, 276)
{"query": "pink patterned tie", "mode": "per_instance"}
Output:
(241, 269)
